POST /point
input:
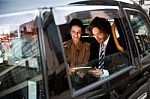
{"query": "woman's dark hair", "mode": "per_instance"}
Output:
(76, 22)
(100, 23)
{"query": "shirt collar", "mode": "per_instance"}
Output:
(106, 41)
(78, 45)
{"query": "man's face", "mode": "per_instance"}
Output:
(75, 33)
(99, 35)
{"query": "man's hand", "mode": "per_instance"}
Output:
(96, 72)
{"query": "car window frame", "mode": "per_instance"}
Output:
(143, 61)
(98, 83)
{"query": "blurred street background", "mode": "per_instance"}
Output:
(145, 4)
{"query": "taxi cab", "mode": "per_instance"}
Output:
(33, 62)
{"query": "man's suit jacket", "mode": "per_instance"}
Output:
(94, 50)
(111, 47)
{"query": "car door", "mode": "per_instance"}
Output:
(141, 32)
(119, 63)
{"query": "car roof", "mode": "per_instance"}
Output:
(11, 6)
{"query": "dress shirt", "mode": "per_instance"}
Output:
(105, 72)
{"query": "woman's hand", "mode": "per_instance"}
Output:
(71, 71)
(81, 74)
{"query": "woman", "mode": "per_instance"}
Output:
(77, 52)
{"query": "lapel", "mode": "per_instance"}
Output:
(111, 47)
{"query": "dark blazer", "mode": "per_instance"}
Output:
(111, 47)
(94, 50)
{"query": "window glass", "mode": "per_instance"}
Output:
(141, 31)
(20, 59)
(81, 74)
(57, 76)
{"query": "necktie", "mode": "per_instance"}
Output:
(101, 56)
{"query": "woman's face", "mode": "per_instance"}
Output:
(99, 35)
(75, 33)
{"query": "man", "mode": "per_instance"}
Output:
(100, 28)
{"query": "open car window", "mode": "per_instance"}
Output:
(115, 63)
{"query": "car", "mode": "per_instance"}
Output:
(33, 59)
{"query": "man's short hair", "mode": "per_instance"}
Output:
(100, 23)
